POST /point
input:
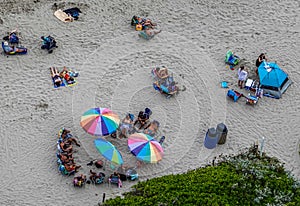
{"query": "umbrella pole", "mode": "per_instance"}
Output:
(104, 166)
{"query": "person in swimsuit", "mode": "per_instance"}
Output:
(151, 32)
(56, 76)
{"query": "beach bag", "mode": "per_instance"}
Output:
(99, 164)
(138, 27)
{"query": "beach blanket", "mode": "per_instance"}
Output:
(145, 36)
(74, 12)
(63, 16)
(64, 82)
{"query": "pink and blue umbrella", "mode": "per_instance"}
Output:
(145, 147)
(100, 121)
(109, 151)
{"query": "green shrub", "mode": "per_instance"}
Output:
(245, 179)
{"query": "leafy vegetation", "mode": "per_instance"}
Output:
(245, 179)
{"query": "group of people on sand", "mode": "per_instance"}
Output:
(60, 77)
(97, 178)
(129, 125)
(65, 151)
(243, 73)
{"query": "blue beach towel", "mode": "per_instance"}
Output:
(61, 85)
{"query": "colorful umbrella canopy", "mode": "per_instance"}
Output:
(109, 151)
(100, 121)
(145, 148)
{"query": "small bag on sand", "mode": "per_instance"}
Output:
(99, 164)
(138, 27)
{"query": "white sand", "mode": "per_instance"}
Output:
(114, 66)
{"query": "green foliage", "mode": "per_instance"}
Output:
(245, 179)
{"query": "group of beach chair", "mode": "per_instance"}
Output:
(255, 92)
(64, 154)
(12, 46)
(251, 99)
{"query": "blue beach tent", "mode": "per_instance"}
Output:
(273, 80)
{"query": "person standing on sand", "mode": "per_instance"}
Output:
(242, 76)
(259, 60)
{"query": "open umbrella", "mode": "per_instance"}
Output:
(145, 147)
(109, 151)
(100, 121)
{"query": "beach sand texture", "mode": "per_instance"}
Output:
(114, 66)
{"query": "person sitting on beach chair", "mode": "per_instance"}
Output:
(71, 166)
(168, 86)
(142, 119)
(67, 137)
(162, 73)
(64, 147)
(142, 21)
(115, 179)
(64, 158)
(79, 181)
(49, 43)
(97, 178)
(12, 37)
(152, 128)
(126, 127)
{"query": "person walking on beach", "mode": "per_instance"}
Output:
(242, 76)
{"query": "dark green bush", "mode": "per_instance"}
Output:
(245, 179)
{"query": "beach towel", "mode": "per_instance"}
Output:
(63, 16)
(74, 12)
(145, 36)
(65, 82)
(61, 85)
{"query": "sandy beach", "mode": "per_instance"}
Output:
(114, 67)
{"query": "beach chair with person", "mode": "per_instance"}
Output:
(125, 128)
(160, 73)
(115, 179)
(79, 181)
(152, 128)
(97, 178)
(143, 118)
(166, 86)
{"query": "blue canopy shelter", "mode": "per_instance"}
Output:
(273, 80)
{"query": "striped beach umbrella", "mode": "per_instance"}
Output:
(145, 147)
(100, 121)
(109, 151)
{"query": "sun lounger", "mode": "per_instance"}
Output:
(234, 95)
(252, 100)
